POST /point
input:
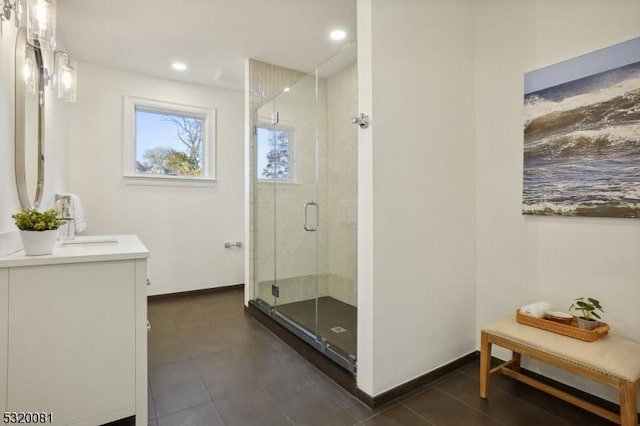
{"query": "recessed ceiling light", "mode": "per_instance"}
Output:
(286, 89)
(337, 35)
(179, 66)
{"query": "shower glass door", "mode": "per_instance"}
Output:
(298, 209)
(305, 207)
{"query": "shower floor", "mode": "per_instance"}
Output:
(332, 313)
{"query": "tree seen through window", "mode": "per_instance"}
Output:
(274, 154)
(168, 144)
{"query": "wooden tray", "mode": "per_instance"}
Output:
(570, 329)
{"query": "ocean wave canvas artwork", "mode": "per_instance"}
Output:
(582, 135)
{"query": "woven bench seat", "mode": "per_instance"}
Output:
(611, 360)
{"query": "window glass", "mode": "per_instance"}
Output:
(274, 153)
(168, 144)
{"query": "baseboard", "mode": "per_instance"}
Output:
(411, 385)
(196, 292)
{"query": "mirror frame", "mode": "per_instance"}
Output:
(22, 47)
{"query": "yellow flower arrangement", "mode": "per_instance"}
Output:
(32, 220)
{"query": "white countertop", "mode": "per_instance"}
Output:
(94, 248)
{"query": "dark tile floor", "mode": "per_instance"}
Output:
(211, 364)
(330, 313)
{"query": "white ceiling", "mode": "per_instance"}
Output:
(208, 35)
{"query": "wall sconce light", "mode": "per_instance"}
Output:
(7, 9)
(41, 23)
(41, 20)
(65, 77)
(41, 31)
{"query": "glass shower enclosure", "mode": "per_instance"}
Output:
(305, 197)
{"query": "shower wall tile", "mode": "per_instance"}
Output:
(341, 288)
(295, 289)
(306, 287)
(267, 81)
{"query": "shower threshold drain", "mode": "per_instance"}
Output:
(338, 329)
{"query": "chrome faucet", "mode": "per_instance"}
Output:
(67, 230)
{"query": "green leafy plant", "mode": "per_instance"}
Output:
(587, 306)
(32, 220)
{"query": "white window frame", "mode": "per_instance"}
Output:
(208, 177)
(292, 163)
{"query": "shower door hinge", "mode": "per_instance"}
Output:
(275, 290)
(275, 118)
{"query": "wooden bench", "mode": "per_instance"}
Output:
(611, 360)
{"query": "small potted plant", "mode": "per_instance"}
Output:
(588, 307)
(38, 230)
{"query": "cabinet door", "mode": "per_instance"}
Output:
(72, 340)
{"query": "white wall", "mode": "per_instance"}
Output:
(184, 227)
(443, 83)
(55, 131)
(420, 278)
(522, 258)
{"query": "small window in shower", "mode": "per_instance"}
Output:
(274, 154)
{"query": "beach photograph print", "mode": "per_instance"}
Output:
(582, 135)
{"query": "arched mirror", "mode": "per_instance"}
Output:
(29, 126)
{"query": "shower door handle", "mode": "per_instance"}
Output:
(308, 227)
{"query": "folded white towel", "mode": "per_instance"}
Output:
(76, 211)
(536, 309)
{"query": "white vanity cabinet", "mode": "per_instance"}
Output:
(73, 332)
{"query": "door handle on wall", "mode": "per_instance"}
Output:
(308, 227)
